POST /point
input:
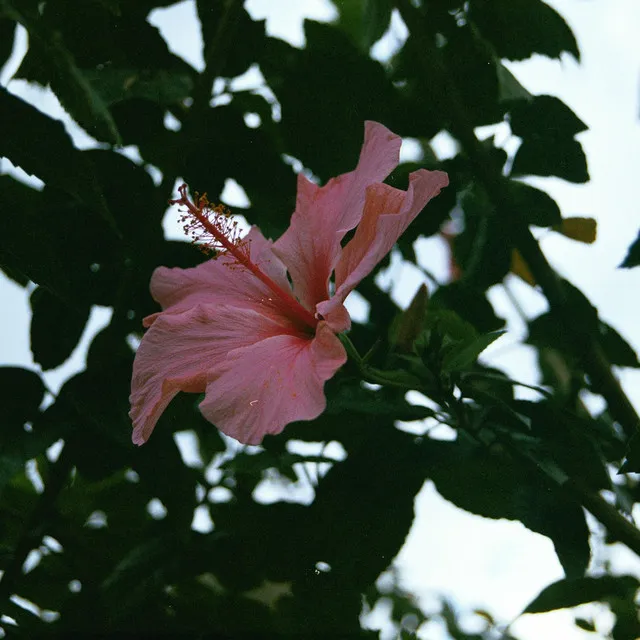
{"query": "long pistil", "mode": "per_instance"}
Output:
(234, 248)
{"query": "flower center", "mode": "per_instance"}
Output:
(213, 229)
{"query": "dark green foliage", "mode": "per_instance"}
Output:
(56, 328)
(520, 28)
(42, 139)
(7, 33)
(570, 593)
(365, 22)
(544, 117)
(495, 485)
(564, 159)
(347, 89)
(633, 255)
(107, 526)
(547, 128)
(535, 206)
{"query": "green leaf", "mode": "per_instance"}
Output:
(483, 249)
(244, 47)
(470, 304)
(616, 348)
(55, 241)
(473, 69)
(7, 33)
(463, 355)
(56, 328)
(364, 22)
(408, 324)
(572, 441)
(519, 29)
(157, 85)
(561, 158)
(71, 87)
(544, 117)
(30, 140)
(357, 502)
(633, 255)
(496, 486)
(357, 400)
(632, 456)
(573, 592)
(510, 88)
(22, 393)
(348, 88)
(535, 206)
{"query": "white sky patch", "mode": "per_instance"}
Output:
(285, 18)
(233, 195)
(392, 40)
(179, 26)
(358, 307)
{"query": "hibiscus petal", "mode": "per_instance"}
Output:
(221, 280)
(260, 389)
(310, 247)
(179, 350)
(387, 214)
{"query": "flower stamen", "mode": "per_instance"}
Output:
(213, 230)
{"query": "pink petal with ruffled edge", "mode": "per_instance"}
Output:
(387, 214)
(310, 247)
(260, 389)
(221, 280)
(179, 350)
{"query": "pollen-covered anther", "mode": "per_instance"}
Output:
(211, 227)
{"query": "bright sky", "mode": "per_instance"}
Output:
(495, 565)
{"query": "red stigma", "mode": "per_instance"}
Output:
(213, 230)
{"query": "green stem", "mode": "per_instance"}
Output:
(594, 360)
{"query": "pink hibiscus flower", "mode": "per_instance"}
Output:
(259, 344)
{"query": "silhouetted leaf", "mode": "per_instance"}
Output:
(510, 87)
(7, 33)
(22, 393)
(533, 205)
(573, 592)
(20, 399)
(483, 249)
(56, 328)
(544, 117)
(496, 486)
(633, 255)
(245, 45)
(520, 28)
(572, 441)
(158, 85)
(30, 140)
(632, 456)
(617, 349)
(466, 353)
(75, 249)
(365, 22)
(561, 158)
(348, 88)
(469, 304)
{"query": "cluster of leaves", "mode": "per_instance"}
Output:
(110, 539)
